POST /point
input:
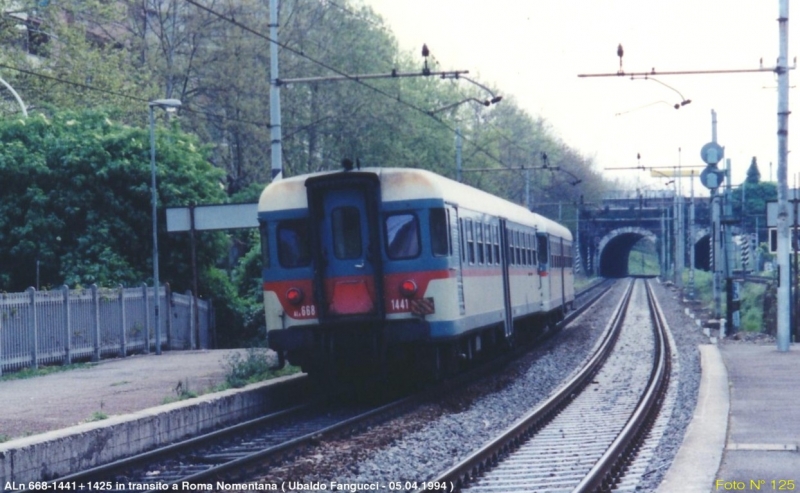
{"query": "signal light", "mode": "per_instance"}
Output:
(408, 288)
(295, 296)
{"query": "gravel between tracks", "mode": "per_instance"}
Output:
(439, 434)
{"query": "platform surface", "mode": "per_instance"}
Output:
(745, 432)
(764, 422)
(111, 387)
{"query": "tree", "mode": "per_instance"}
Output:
(753, 174)
(77, 200)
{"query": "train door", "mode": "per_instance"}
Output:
(455, 242)
(563, 265)
(345, 240)
(505, 268)
(543, 269)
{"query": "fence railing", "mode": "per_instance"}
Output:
(63, 325)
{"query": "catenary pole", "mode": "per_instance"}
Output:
(783, 153)
(274, 95)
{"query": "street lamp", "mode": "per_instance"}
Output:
(165, 104)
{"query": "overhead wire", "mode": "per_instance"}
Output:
(126, 96)
(352, 78)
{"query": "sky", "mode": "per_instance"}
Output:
(534, 50)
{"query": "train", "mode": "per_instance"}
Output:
(404, 271)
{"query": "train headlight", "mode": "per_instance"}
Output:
(408, 288)
(295, 296)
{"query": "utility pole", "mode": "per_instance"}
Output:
(715, 232)
(275, 82)
(663, 247)
(691, 238)
(680, 249)
(274, 95)
(784, 301)
(458, 154)
(731, 287)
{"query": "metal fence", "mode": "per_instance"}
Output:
(63, 325)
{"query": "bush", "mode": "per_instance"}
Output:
(252, 366)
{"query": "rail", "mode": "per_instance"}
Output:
(463, 473)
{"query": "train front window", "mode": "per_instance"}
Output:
(402, 236)
(346, 224)
(293, 243)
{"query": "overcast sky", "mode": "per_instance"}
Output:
(535, 49)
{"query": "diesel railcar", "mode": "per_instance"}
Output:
(402, 268)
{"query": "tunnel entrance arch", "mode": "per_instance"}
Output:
(613, 250)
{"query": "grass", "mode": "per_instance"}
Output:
(643, 263)
(44, 370)
(97, 416)
(242, 369)
(751, 295)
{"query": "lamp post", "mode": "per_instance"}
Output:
(165, 104)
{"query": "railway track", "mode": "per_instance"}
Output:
(242, 451)
(583, 437)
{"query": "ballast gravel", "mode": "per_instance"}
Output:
(431, 439)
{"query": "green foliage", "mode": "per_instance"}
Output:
(643, 259)
(752, 307)
(753, 174)
(77, 180)
(252, 367)
(752, 296)
(43, 370)
(756, 195)
(97, 416)
(77, 199)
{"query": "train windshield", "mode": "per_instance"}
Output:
(402, 236)
(293, 243)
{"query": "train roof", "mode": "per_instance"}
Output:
(412, 184)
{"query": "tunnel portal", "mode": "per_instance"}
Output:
(615, 249)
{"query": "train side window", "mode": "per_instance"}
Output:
(470, 242)
(568, 257)
(463, 239)
(512, 254)
(487, 238)
(518, 248)
(479, 242)
(402, 236)
(532, 241)
(440, 238)
(264, 233)
(294, 243)
(528, 249)
(496, 237)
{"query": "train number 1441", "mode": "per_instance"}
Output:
(400, 305)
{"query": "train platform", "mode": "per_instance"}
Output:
(54, 424)
(744, 435)
(745, 432)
